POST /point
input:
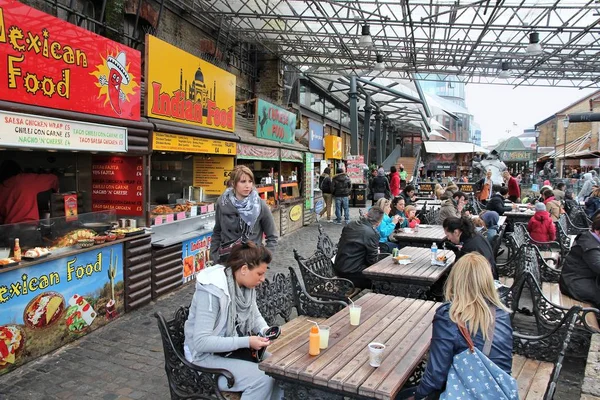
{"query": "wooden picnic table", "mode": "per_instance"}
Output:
(425, 237)
(501, 220)
(419, 206)
(404, 325)
(410, 280)
(519, 216)
(429, 202)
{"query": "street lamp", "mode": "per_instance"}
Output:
(537, 135)
(566, 126)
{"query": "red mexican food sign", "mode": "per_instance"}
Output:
(45, 61)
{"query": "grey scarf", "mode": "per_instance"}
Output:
(248, 208)
(240, 307)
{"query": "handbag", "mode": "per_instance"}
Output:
(473, 375)
(226, 248)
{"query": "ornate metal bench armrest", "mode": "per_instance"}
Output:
(308, 305)
(345, 285)
(584, 313)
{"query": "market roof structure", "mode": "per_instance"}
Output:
(511, 144)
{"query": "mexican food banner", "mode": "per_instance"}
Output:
(48, 62)
(50, 304)
(184, 88)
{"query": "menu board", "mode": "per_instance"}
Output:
(118, 184)
(190, 144)
(212, 173)
(355, 169)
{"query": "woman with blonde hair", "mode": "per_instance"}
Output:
(438, 191)
(472, 302)
(485, 187)
(240, 214)
(387, 225)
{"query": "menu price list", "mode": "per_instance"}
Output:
(118, 184)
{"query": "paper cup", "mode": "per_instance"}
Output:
(376, 354)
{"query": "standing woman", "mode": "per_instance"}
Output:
(485, 184)
(325, 186)
(380, 187)
(240, 214)
(394, 181)
(224, 322)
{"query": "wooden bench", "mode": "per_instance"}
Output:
(552, 293)
(533, 377)
(276, 300)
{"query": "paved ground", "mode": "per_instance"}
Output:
(124, 360)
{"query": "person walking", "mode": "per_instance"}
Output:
(395, 182)
(403, 176)
(341, 186)
(380, 186)
(326, 186)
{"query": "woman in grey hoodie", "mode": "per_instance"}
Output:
(240, 214)
(224, 318)
(586, 190)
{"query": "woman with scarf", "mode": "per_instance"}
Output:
(240, 214)
(224, 322)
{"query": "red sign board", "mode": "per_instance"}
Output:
(118, 184)
(48, 62)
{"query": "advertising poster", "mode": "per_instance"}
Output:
(196, 255)
(184, 88)
(48, 62)
(212, 173)
(315, 130)
(50, 304)
(274, 123)
(118, 184)
(309, 170)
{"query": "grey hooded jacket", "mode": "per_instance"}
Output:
(586, 190)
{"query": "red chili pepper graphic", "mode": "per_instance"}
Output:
(114, 89)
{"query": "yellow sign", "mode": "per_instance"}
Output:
(333, 147)
(190, 144)
(295, 213)
(212, 173)
(184, 88)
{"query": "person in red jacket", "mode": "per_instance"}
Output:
(514, 191)
(540, 226)
(394, 181)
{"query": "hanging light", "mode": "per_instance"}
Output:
(365, 37)
(505, 72)
(534, 48)
(379, 65)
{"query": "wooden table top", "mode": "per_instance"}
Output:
(501, 220)
(404, 325)
(420, 269)
(429, 202)
(427, 233)
(519, 214)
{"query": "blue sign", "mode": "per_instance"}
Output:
(319, 205)
(315, 135)
(195, 254)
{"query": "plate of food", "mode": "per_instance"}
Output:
(44, 310)
(402, 259)
(36, 253)
(440, 260)
(124, 232)
(12, 343)
(8, 262)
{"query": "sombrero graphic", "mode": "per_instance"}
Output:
(119, 65)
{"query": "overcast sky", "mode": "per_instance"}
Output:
(497, 108)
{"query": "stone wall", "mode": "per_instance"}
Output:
(590, 390)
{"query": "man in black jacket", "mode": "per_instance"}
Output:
(341, 187)
(496, 202)
(359, 248)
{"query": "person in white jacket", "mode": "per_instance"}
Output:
(224, 318)
(586, 190)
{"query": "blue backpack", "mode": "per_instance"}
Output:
(474, 376)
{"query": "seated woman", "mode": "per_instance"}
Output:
(472, 300)
(491, 219)
(387, 226)
(580, 276)
(224, 318)
(592, 204)
(411, 216)
(463, 239)
(540, 226)
(398, 209)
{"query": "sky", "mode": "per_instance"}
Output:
(498, 108)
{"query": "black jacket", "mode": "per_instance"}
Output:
(380, 184)
(341, 185)
(580, 274)
(358, 247)
(325, 183)
(447, 341)
(475, 243)
(407, 200)
(496, 203)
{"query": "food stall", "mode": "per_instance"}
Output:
(191, 104)
(292, 200)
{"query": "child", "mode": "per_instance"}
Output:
(411, 212)
(540, 226)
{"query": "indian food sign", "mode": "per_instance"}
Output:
(184, 88)
(48, 62)
(274, 123)
(49, 304)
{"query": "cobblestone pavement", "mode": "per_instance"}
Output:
(124, 360)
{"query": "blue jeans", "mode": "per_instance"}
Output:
(339, 203)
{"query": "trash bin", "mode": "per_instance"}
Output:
(359, 195)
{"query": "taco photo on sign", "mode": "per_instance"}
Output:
(12, 342)
(80, 314)
(44, 310)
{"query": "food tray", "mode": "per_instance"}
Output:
(35, 258)
(12, 264)
(134, 233)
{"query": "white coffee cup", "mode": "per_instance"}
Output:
(376, 354)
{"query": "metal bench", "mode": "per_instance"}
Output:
(432, 217)
(325, 245)
(276, 299)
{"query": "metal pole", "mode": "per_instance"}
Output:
(353, 95)
(377, 137)
(367, 129)
(384, 134)
(564, 168)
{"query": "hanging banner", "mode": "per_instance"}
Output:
(315, 135)
(251, 152)
(31, 131)
(184, 88)
(118, 184)
(291, 155)
(195, 255)
(274, 123)
(212, 173)
(190, 144)
(309, 170)
(55, 302)
(333, 147)
(47, 62)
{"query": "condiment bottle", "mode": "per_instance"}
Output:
(17, 251)
(314, 341)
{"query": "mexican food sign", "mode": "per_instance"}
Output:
(48, 62)
(184, 88)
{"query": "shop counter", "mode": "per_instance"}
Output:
(292, 215)
(69, 293)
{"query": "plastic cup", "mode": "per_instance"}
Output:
(324, 336)
(376, 354)
(417, 228)
(354, 315)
